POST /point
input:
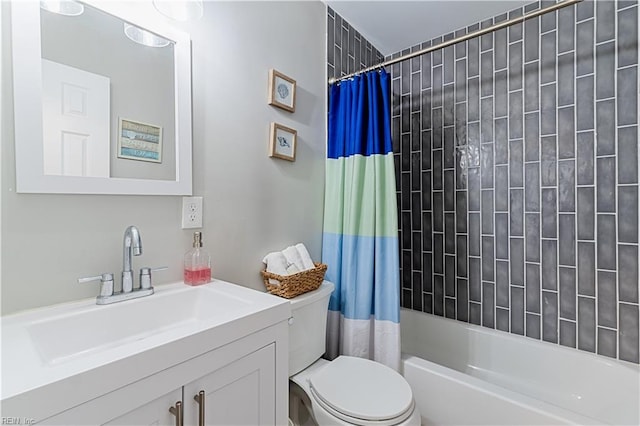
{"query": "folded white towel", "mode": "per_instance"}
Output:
(276, 264)
(307, 262)
(293, 257)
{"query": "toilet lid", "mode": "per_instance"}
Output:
(362, 389)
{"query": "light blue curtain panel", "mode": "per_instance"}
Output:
(360, 236)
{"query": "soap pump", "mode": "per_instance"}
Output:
(197, 263)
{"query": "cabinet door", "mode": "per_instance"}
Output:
(240, 393)
(154, 413)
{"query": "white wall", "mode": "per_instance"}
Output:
(253, 204)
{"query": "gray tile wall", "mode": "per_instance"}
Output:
(517, 172)
(347, 50)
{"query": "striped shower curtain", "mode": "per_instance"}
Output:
(360, 238)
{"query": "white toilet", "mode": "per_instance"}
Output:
(347, 390)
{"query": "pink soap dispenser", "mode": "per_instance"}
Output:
(197, 263)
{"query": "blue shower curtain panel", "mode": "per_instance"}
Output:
(360, 236)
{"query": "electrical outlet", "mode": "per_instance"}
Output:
(191, 212)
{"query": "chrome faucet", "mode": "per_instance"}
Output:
(132, 243)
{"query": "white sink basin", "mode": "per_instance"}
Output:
(88, 330)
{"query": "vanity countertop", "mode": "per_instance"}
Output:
(66, 354)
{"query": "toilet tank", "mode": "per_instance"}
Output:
(307, 330)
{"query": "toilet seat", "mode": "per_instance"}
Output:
(362, 392)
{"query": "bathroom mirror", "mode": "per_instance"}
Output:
(102, 100)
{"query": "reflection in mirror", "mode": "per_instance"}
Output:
(114, 89)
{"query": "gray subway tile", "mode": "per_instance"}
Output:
(584, 10)
(517, 261)
(427, 303)
(473, 53)
(586, 268)
(427, 231)
(462, 302)
(532, 236)
(449, 276)
(533, 325)
(532, 137)
(549, 213)
(627, 98)
(487, 211)
(515, 31)
(461, 79)
(474, 97)
(566, 133)
(501, 141)
(548, 165)
(628, 214)
(568, 333)
(461, 256)
(605, 70)
(606, 189)
(488, 319)
(501, 93)
(502, 319)
(548, 20)
(567, 287)
(487, 259)
(486, 73)
(515, 66)
(584, 102)
(517, 310)
(502, 284)
(532, 287)
(502, 235)
(438, 295)
(427, 276)
(607, 342)
(532, 187)
(629, 335)
(531, 39)
(449, 190)
(586, 324)
(531, 87)
(438, 253)
(628, 155)
(566, 89)
(586, 213)
(515, 115)
(628, 273)
(605, 127)
(550, 265)
(566, 28)
(566, 185)
(473, 135)
(548, 109)
(550, 316)
(449, 233)
(627, 37)
(606, 296)
(486, 119)
(548, 57)
(585, 166)
(567, 239)
(516, 214)
(486, 168)
(584, 47)
(461, 211)
(605, 20)
(516, 169)
(417, 291)
(474, 234)
(474, 188)
(475, 313)
(606, 242)
(474, 279)
(502, 188)
(426, 190)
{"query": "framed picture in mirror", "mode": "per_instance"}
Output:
(139, 141)
(282, 142)
(282, 91)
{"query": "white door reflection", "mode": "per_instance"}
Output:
(76, 117)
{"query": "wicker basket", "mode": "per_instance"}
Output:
(295, 284)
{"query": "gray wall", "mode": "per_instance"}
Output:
(517, 172)
(252, 204)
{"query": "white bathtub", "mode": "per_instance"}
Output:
(465, 374)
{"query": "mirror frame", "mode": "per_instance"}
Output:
(27, 94)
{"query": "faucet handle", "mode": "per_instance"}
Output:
(145, 276)
(106, 281)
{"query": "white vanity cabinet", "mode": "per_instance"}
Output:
(236, 359)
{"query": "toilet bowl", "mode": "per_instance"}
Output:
(347, 390)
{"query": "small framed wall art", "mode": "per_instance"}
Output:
(282, 142)
(139, 141)
(282, 91)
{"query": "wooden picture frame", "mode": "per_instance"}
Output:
(282, 142)
(282, 91)
(139, 141)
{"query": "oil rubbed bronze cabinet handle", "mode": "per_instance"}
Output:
(200, 400)
(177, 411)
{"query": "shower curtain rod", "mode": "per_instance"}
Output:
(466, 37)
